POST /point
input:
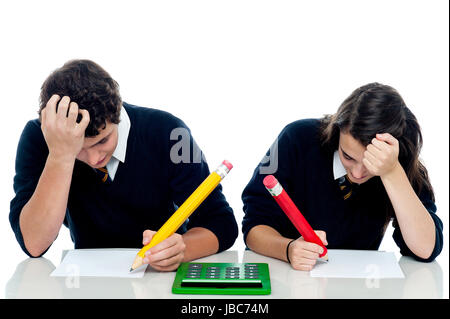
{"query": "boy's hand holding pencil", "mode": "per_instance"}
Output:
(165, 256)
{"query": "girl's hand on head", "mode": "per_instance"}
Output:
(381, 155)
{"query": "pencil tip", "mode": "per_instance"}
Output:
(131, 269)
(325, 259)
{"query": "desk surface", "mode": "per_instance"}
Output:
(31, 279)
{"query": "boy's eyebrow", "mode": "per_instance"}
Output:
(101, 139)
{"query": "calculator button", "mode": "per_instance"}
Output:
(193, 274)
(195, 266)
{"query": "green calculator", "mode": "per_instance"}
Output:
(222, 279)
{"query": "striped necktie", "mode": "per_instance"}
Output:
(346, 186)
(103, 173)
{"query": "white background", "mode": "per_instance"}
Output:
(235, 71)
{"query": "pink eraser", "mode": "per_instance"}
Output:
(227, 164)
(270, 181)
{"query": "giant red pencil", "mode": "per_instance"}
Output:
(293, 213)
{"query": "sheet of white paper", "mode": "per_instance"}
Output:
(99, 263)
(358, 264)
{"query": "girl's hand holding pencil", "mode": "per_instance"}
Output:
(303, 255)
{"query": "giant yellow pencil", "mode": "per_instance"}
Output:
(185, 210)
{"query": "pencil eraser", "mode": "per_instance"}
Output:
(270, 181)
(227, 164)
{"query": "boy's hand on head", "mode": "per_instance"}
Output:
(167, 255)
(63, 135)
(381, 155)
(303, 255)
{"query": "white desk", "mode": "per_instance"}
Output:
(32, 280)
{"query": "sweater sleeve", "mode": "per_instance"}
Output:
(31, 155)
(429, 204)
(259, 206)
(187, 170)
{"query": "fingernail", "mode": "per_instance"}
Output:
(145, 260)
(147, 253)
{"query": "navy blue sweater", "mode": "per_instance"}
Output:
(305, 171)
(147, 187)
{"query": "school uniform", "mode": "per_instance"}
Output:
(140, 189)
(352, 215)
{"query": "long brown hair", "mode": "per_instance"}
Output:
(377, 108)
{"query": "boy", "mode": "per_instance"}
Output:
(106, 170)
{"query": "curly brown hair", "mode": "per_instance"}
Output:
(91, 87)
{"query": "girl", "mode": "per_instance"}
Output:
(350, 174)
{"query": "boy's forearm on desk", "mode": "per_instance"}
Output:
(200, 242)
(41, 218)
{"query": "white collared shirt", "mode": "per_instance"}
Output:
(338, 167)
(123, 129)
